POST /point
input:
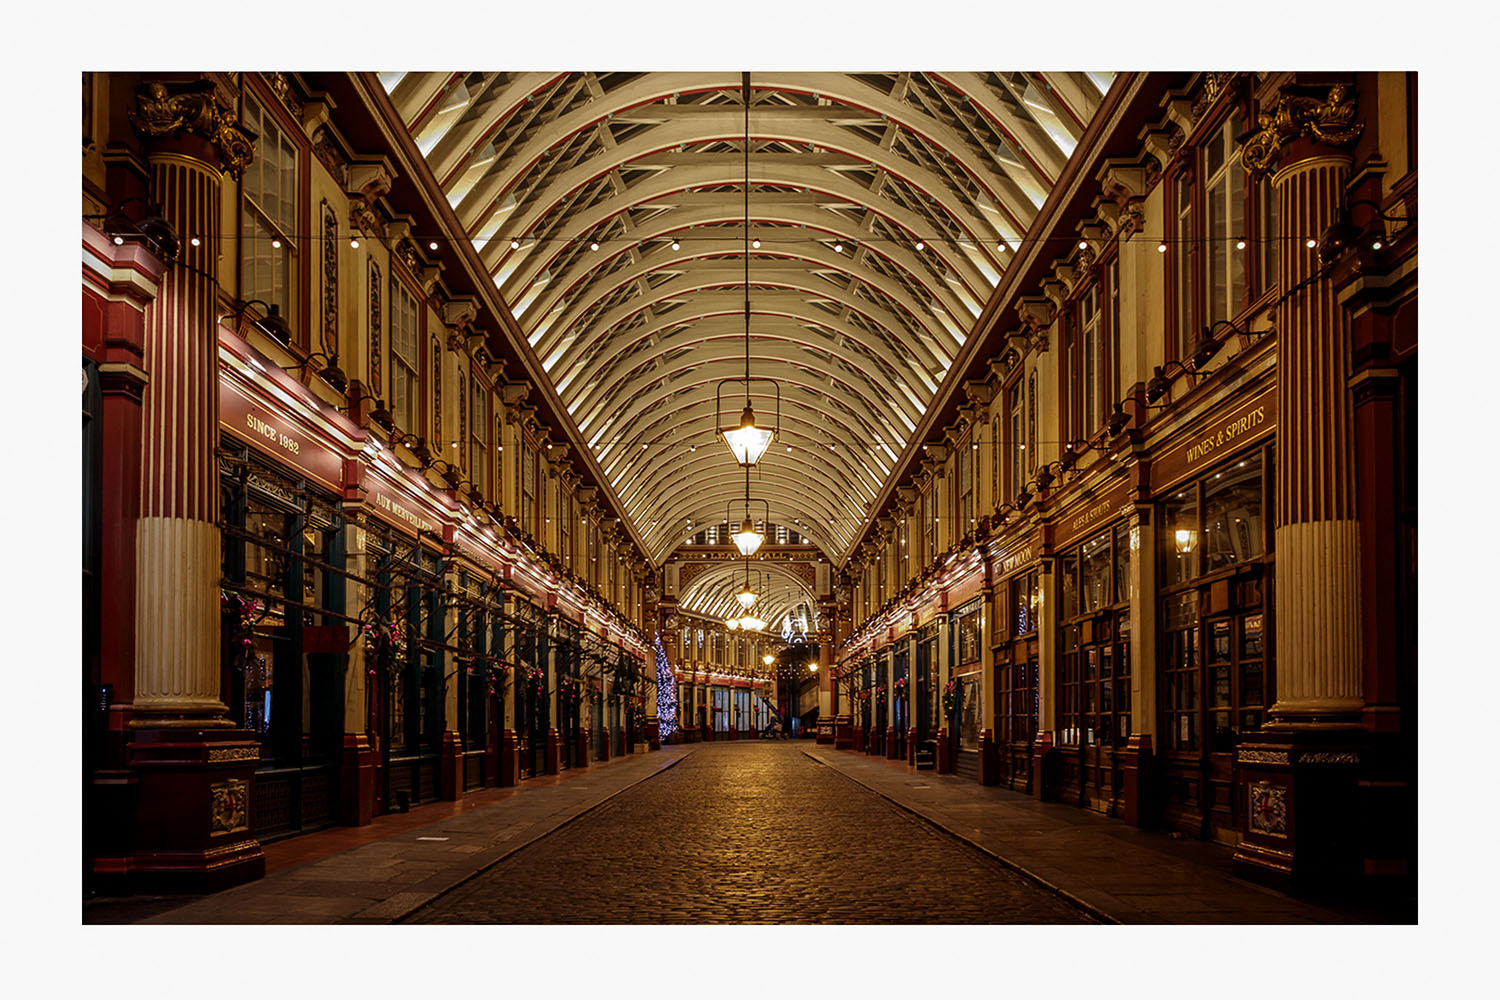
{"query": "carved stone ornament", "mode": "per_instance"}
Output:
(230, 809)
(1267, 813)
(1324, 113)
(170, 110)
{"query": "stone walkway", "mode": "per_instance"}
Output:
(382, 881)
(1117, 872)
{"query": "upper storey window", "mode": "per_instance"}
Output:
(404, 332)
(1225, 242)
(268, 248)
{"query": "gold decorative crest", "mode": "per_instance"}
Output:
(193, 108)
(1328, 118)
(230, 809)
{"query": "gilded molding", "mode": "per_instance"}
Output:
(195, 108)
(217, 754)
(1328, 118)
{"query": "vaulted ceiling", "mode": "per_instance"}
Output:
(886, 206)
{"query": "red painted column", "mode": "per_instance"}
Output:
(1300, 771)
(120, 282)
(193, 812)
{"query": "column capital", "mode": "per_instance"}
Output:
(173, 110)
(1325, 113)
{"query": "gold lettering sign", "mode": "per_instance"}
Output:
(1246, 423)
(1017, 559)
(399, 512)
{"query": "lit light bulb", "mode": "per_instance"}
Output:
(276, 244)
(1161, 248)
(920, 244)
(1239, 244)
(515, 244)
(838, 248)
(594, 246)
(354, 244)
(1311, 243)
(676, 245)
(755, 243)
(195, 242)
(432, 245)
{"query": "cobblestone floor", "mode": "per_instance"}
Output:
(748, 833)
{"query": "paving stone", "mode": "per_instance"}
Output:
(748, 833)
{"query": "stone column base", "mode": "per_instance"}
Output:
(653, 733)
(450, 767)
(581, 749)
(356, 781)
(989, 759)
(1043, 767)
(1300, 824)
(843, 733)
(604, 745)
(193, 811)
(510, 760)
(550, 762)
(944, 752)
(1136, 804)
(911, 747)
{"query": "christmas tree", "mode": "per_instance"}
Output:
(666, 693)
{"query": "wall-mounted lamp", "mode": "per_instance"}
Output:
(274, 326)
(330, 372)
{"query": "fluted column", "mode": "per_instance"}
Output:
(1318, 670)
(193, 809)
(177, 537)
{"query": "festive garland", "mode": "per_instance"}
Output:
(243, 611)
(952, 697)
(497, 672)
(535, 678)
(596, 694)
(567, 692)
(899, 688)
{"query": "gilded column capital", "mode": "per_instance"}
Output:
(164, 109)
(1325, 113)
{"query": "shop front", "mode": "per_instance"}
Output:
(1215, 676)
(532, 687)
(285, 634)
(880, 702)
(962, 692)
(1013, 634)
(1093, 670)
(896, 747)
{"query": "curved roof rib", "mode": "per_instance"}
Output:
(858, 324)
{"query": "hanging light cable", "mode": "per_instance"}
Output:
(747, 442)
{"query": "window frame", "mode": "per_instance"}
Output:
(254, 91)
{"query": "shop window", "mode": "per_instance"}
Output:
(1024, 599)
(1180, 527)
(966, 634)
(404, 323)
(1181, 672)
(1233, 528)
(268, 237)
(1126, 543)
(1093, 572)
